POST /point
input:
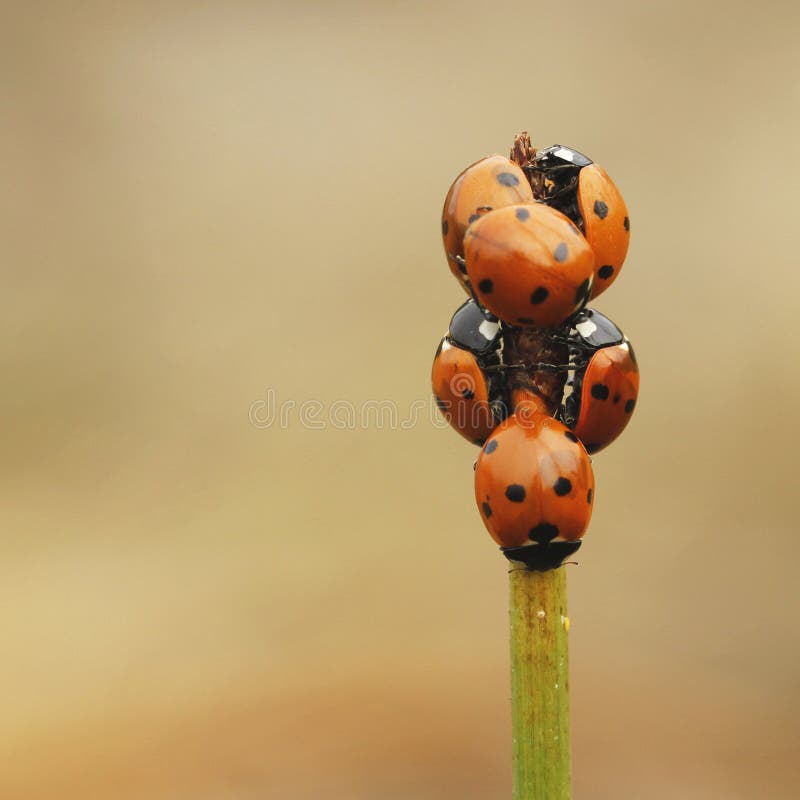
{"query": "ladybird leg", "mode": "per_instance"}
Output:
(558, 367)
(574, 343)
(502, 367)
(468, 283)
(462, 265)
(537, 365)
(565, 189)
(554, 337)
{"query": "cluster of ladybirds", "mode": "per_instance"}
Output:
(527, 371)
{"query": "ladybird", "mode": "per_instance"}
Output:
(466, 384)
(475, 329)
(487, 184)
(582, 190)
(529, 265)
(534, 483)
(603, 382)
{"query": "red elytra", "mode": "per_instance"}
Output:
(534, 482)
(463, 392)
(529, 265)
(609, 389)
(493, 182)
(606, 224)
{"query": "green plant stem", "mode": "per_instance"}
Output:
(539, 685)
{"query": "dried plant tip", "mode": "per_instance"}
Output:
(522, 151)
(523, 154)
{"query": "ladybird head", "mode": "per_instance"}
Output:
(474, 328)
(594, 329)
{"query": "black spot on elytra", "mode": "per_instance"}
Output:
(560, 253)
(539, 296)
(589, 496)
(629, 406)
(507, 179)
(562, 486)
(445, 227)
(600, 391)
(627, 223)
(582, 292)
(526, 320)
(468, 394)
(616, 398)
(515, 493)
(543, 532)
(571, 436)
(472, 218)
(491, 447)
(605, 272)
(601, 209)
(523, 214)
(487, 510)
(486, 286)
(443, 407)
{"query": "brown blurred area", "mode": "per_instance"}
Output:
(205, 203)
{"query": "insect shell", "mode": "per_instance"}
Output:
(466, 377)
(603, 380)
(492, 182)
(529, 265)
(534, 483)
(582, 191)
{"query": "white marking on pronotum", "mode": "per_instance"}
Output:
(562, 152)
(488, 329)
(541, 614)
(569, 386)
(586, 328)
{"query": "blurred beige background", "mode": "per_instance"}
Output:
(205, 202)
